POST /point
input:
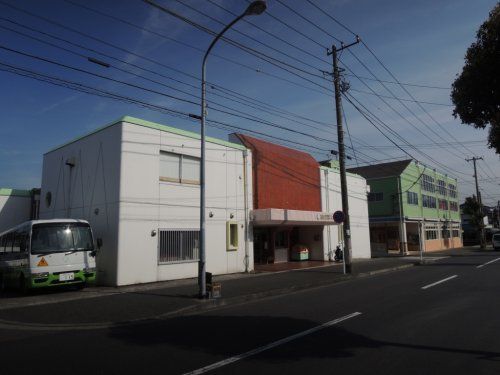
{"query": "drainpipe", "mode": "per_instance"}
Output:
(245, 200)
(402, 228)
(327, 207)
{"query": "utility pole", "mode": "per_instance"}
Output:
(480, 201)
(498, 214)
(340, 135)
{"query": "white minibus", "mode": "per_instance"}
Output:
(46, 253)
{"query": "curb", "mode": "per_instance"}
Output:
(199, 307)
(213, 304)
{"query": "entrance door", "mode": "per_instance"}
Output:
(261, 246)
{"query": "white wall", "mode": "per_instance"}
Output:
(117, 172)
(89, 190)
(150, 204)
(14, 210)
(331, 201)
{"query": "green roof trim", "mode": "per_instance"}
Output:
(186, 133)
(153, 125)
(14, 192)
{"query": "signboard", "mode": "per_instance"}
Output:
(338, 217)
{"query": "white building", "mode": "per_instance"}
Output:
(137, 183)
(331, 199)
(16, 207)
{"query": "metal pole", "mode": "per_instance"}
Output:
(202, 283)
(498, 214)
(255, 8)
(479, 200)
(420, 236)
(343, 177)
(201, 265)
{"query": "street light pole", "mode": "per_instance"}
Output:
(255, 8)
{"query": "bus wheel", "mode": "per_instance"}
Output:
(23, 288)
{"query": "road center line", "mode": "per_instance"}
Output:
(485, 264)
(274, 344)
(439, 282)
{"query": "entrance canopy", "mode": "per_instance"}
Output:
(279, 216)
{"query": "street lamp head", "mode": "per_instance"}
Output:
(256, 8)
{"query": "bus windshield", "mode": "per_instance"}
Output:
(61, 237)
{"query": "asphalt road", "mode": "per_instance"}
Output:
(441, 318)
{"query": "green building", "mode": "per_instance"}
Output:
(409, 201)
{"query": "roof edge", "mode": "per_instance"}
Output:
(152, 125)
(7, 192)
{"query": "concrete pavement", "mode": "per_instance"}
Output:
(451, 327)
(169, 298)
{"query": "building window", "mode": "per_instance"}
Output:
(179, 168)
(441, 186)
(452, 190)
(431, 234)
(375, 197)
(232, 236)
(428, 183)
(443, 204)
(412, 197)
(445, 233)
(178, 245)
(455, 233)
(453, 206)
(428, 201)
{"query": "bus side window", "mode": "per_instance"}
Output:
(8, 242)
(2, 244)
(16, 242)
(21, 238)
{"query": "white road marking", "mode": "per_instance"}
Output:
(439, 282)
(485, 264)
(274, 344)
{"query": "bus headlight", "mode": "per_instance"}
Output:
(40, 275)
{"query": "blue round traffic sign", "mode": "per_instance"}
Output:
(338, 217)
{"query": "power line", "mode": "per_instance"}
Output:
(245, 116)
(271, 34)
(277, 19)
(410, 95)
(398, 98)
(107, 94)
(245, 35)
(231, 93)
(255, 70)
(354, 34)
(400, 137)
(259, 54)
(309, 21)
(375, 77)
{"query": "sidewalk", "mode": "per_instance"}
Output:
(101, 306)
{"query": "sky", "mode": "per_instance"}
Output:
(270, 79)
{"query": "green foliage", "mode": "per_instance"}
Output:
(476, 91)
(472, 207)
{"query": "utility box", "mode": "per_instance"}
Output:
(300, 252)
(214, 289)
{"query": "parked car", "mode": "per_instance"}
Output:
(495, 241)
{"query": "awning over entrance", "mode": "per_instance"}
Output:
(279, 216)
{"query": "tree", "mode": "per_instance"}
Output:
(473, 208)
(476, 91)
